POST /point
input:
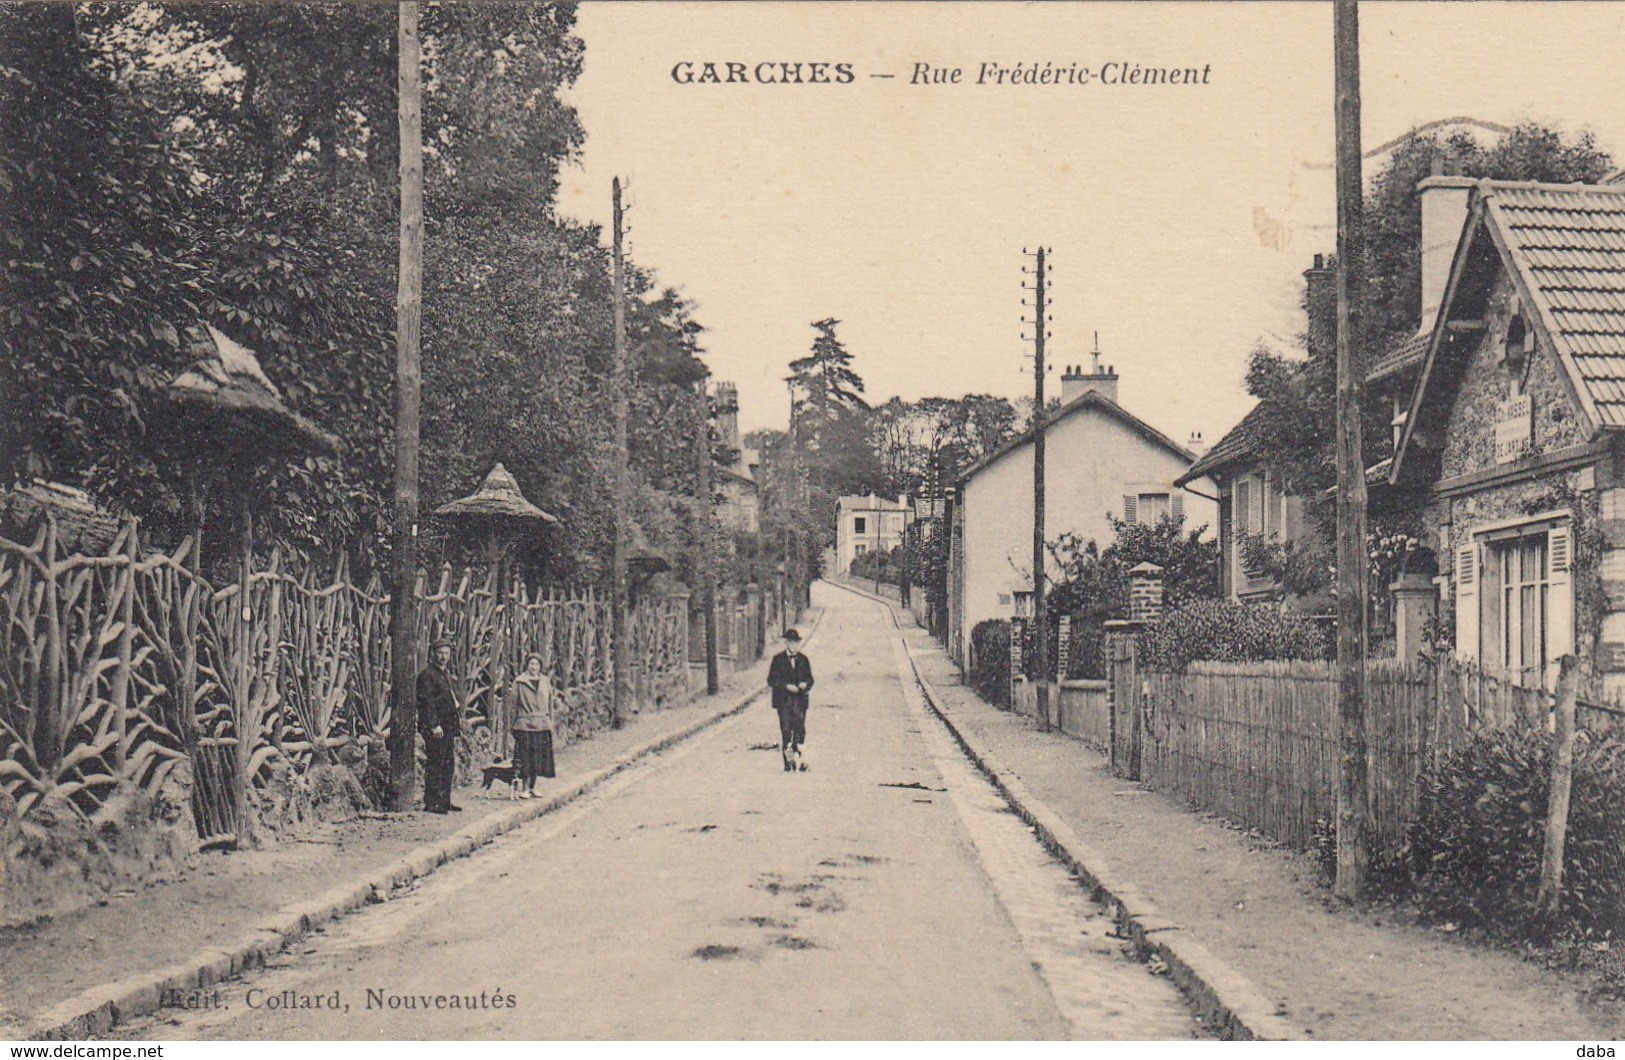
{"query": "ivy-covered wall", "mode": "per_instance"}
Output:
(1469, 437)
(1469, 446)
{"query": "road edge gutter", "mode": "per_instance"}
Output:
(99, 1009)
(1228, 1002)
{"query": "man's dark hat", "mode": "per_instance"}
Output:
(792, 636)
(441, 643)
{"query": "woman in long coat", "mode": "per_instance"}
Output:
(530, 703)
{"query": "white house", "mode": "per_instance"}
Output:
(1099, 460)
(867, 524)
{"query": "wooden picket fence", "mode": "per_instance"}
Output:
(1258, 742)
(115, 669)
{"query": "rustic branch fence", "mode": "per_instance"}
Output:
(117, 668)
(1257, 742)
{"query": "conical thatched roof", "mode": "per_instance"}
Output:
(640, 557)
(228, 390)
(498, 495)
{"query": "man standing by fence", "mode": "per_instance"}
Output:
(439, 720)
(790, 677)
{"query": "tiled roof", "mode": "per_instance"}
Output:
(1235, 445)
(1088, 399)
(1408, 353)
(1567, 243)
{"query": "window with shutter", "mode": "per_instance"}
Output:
(1241, 506)
(1560, 595)
(1177, 506)
(1130, 508)
(1466, 579)
(1152, 507)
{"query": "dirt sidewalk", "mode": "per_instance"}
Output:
(216, 897)
(1332, 971)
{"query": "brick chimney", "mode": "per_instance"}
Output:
(1444, 213)
(1197, 444)
(728, 415)
(1320, 307)
(1075, 382)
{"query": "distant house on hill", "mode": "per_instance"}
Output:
(1100, 460)
(868, 524)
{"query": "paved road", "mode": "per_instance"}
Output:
(886, 893)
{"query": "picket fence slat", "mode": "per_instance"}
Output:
(1258, 742)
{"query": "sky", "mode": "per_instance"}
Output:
(1179, 217)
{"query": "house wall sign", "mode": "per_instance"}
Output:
(1611, 657)
(1514, 430)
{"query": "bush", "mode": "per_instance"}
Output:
(1474, 849)
(1230, 632)
(876, 566)
(990, 661)
(1086, 657)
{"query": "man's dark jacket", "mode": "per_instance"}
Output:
(437, 703)
(785, 670)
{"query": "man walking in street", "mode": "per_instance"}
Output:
(790, 677)
(439, 721)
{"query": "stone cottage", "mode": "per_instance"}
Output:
(1513, 438)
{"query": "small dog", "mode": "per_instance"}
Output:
(503, 771)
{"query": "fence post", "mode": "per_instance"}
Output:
(1122, 697)
(1549, 898)
(126, 641)
(1017, 630)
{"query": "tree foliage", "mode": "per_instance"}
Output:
(1297, 406)
(924, 446)
(164, 166)
(1393, 209)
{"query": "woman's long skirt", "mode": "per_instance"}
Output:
(533, 754)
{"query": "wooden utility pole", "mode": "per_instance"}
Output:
(403, 643)
(1549, 897)
(1352, 807)
(703, 538)
(791, 540)
(619, 381)
(1040, 626)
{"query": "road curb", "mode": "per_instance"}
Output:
(1227, 1001)
(99, 1009)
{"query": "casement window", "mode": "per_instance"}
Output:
(1258, 506)
(1515, 599)
(859, 549)
(860, 525)
(1257, 509)
(1151, 508)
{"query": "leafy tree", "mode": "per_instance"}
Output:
(825, 377)
(1393, 210)
(1297, 398)
(926, 445)
(168, 165)
(1094, 583)
(114, 249)
(831, 430)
